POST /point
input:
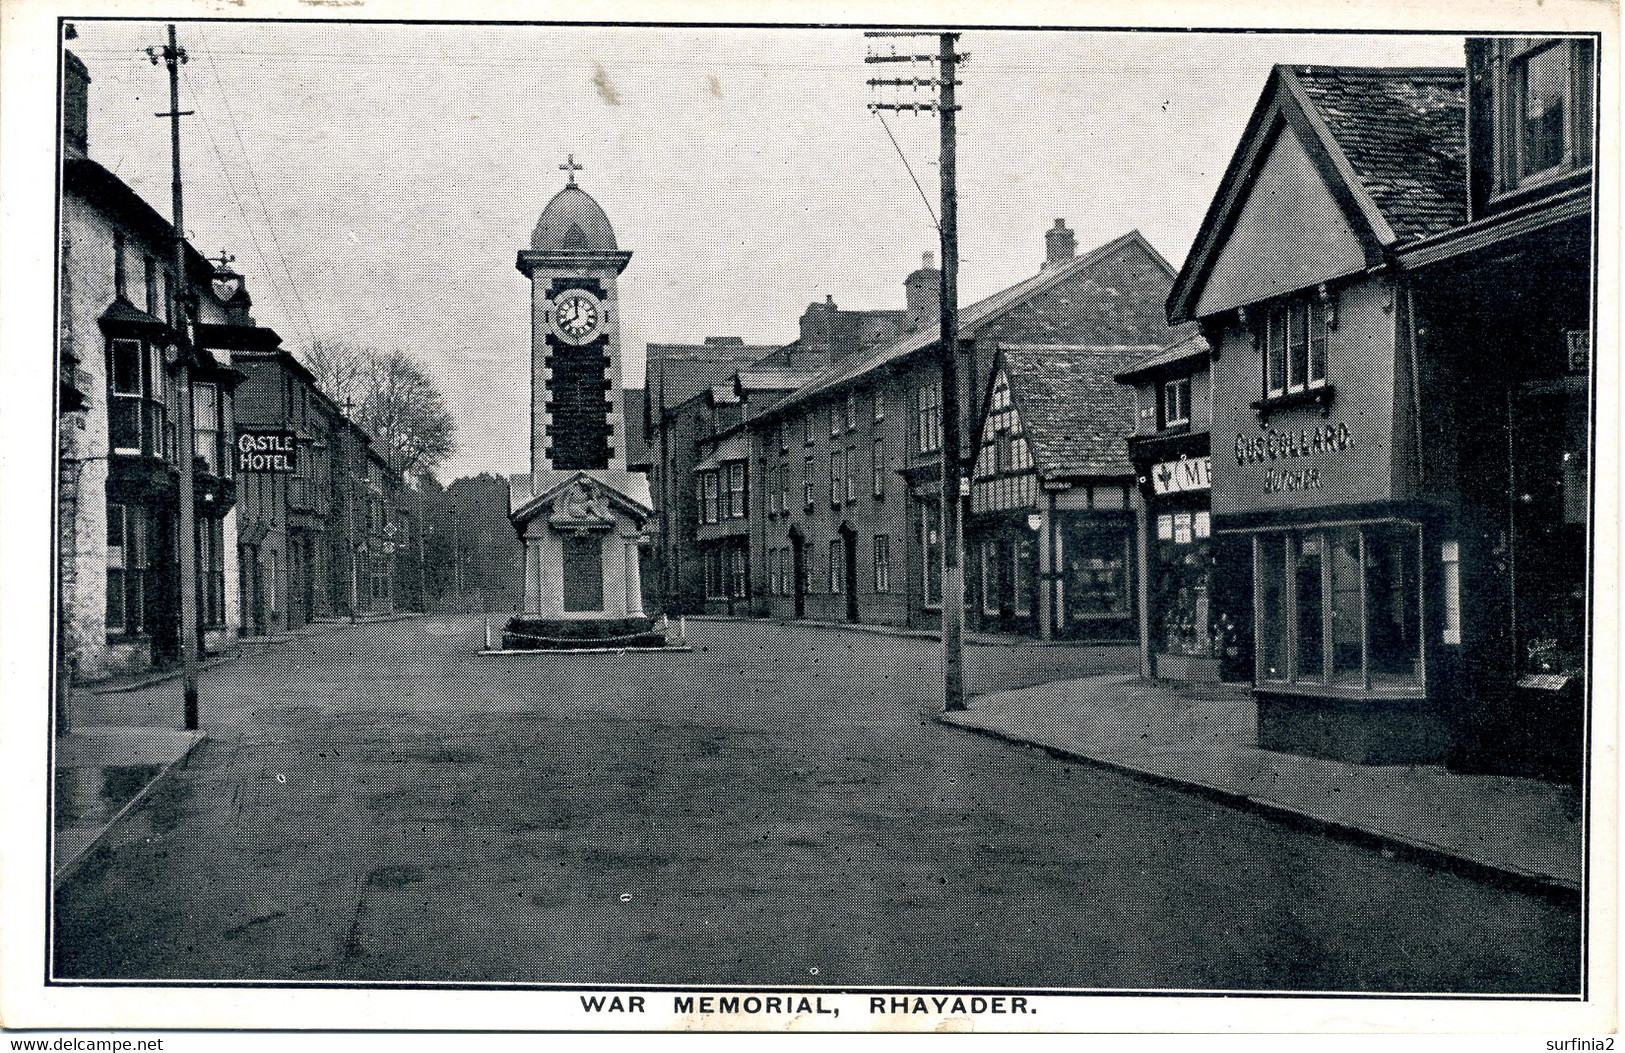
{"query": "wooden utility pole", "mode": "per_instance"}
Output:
(953, 564)
(172, 56)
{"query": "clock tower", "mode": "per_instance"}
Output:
(579, 512)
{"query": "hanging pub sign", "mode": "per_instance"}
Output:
(270, 450)
(1187, 473)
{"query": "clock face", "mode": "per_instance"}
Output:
(577, 316)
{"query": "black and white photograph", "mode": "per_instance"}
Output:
(540, 520)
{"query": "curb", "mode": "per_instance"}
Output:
(71, 866)
(158, 678)
(978, 639)
(1500, 875)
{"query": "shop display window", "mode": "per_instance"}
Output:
(1183, 599)
(1096, 569)
(1343, 604)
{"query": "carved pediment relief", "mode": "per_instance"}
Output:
(581, 506)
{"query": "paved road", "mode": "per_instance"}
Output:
(777, 807)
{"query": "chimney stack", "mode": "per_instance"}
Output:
(1059, 244)
(75, 106)
(922, 291)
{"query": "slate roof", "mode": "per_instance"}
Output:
(1073, 412)
(772, 378)
(1390, 143)
(970, 317)
(679, 372)
(1404, 131)
(1191, 345)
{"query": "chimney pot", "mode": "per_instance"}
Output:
(928, 260)
(1059, 244)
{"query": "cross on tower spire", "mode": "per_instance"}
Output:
(570, 168)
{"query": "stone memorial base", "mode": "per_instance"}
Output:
(530, 633)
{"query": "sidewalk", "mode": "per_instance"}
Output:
(119, 750)
(102, 774)
(1201, 738)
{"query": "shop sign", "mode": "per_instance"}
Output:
(1187, 473)
(272, 451)
(1286, 447)
(1579, 341)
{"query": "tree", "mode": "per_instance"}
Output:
(392, 397)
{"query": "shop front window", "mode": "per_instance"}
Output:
(1343, 604)
(1182, 587)
(1096, 569)
(1549, 473)
(1346, 606)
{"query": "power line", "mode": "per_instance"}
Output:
(248, 164)
(911, 175)
(248, 227)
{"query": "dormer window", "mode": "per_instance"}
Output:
(1543, 91)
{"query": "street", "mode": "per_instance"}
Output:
(777, 807)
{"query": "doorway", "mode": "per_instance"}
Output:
(849, 544)
(798, 571)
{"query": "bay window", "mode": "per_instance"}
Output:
(206, 427)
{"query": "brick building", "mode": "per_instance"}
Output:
(678, 413)
(850, 530)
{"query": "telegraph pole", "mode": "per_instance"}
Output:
(172, 56)
(953, 565)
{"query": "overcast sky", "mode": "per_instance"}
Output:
(375, 182)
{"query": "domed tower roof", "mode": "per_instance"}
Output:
(574, 223)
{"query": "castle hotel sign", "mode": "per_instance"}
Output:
(273, 451)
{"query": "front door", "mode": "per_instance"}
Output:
(798, 569)
(849, 542)
(253, 592)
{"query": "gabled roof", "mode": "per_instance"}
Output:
(1073, 412)
(977, 314)
(1390, 144)
(1193, 346)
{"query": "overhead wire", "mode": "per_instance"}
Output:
(253, 180)
(248, 226)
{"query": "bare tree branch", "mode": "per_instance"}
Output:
(391, 397)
